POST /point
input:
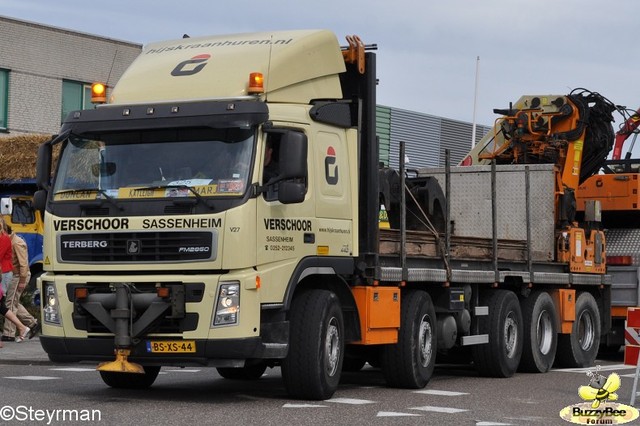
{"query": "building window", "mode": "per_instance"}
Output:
(4, 98)
(75, 96)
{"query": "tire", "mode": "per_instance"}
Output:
(540, 325)
(580, 348)
(130, 380)
(248, 372)
(501, 356)
(410, 363)
(313, 365)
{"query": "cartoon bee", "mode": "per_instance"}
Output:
(600, 390)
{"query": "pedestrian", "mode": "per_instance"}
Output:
(8, 315)
(21, 276)
(6, 266)
(6, 258)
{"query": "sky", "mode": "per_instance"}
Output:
(427, 50)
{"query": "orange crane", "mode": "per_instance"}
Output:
(573, 132)
(617, 189)
(628, 128)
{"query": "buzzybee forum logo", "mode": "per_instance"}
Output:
(599, 408)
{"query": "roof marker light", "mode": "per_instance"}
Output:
(256, 83)
(98, 93)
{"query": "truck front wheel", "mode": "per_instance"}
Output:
(501, 356)
(130, 380)
(313, 365)
(410, 362)
(540, 333)
(580, 348)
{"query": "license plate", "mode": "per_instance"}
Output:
(171, 346)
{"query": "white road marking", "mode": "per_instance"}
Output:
(395, 414)
(34, 378)
(288, 405)
(351, 401)
(450, 410)
(74, 369)
(602, 368)
(440, 392)
(493, 424)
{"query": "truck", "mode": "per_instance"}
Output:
(17, 186)
(170, 240)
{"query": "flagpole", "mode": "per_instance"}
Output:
(475, 102)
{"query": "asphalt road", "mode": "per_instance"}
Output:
(455, 396)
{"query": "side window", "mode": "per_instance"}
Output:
(4, 98)
(22, 213)
(75, 96)
(284, 174)
(271, 165)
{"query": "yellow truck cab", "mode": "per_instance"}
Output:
(162, 204)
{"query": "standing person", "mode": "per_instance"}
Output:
(6, 265)
(6, 257)
(8, 315)
(21, 276)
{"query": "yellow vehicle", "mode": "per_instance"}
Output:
(171, 238)
(18, 212)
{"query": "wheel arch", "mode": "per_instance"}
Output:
(329, 274)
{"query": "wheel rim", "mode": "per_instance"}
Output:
(510, 335)
(586, 330)
(332, 347)
(425, 340)
(544, 332)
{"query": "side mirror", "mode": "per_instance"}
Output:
(43, 165)
(40, 199)
(6, 206)
(293, 155)
(291, 192)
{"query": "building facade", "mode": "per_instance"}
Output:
(426, 137)
(45, 72)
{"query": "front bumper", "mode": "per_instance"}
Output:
(216, 353)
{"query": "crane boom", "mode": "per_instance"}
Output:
(628, 128)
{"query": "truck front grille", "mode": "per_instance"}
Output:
(138, 247)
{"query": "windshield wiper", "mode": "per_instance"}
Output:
(102, 192)
(180, 186)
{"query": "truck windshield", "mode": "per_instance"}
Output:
(156, 164)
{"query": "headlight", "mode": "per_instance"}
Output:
(50, 305)
(228, 304)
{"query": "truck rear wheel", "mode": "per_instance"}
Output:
(248, 372)
(501, 356)
(410, 362)
(313, 365)
(540, 327)
(130, 380)
(580, 348)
